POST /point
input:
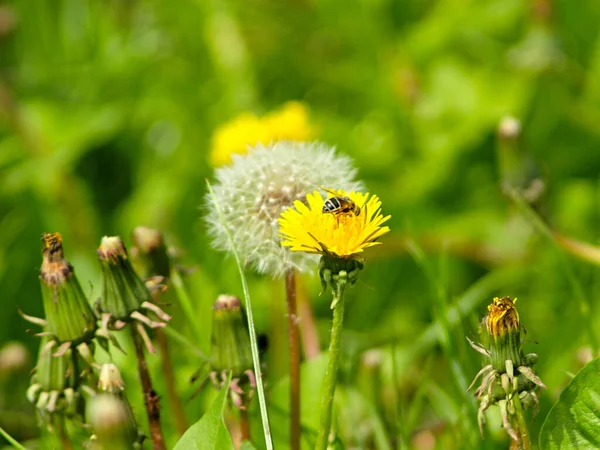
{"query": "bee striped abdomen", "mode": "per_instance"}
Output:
(340, 205)
(331, 204)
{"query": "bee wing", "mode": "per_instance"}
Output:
(329, 191)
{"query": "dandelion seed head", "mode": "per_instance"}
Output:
(256, 188)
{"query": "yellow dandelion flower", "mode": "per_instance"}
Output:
(308, 229)
(502, 317)
(290, 123)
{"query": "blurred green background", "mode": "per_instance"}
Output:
(107, 109)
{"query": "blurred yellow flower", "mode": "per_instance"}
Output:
(290, 123)
(308, 229)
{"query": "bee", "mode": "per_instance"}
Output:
(339, 204)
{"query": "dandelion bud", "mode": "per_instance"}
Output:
(151, 252)
(123, 291)
(110, 379)
(14, 357)
(509, 128)
(230, 338)
(54, 385)
(113, 423)
(504, 329)
(68, 314)
(509, 376)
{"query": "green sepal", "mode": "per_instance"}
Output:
(68, 314)
(123, 291)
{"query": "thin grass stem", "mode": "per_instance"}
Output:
(11, 440)
(253, 341)
(185, 301)
(542, 227)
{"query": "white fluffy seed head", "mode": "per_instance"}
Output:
(256, 188)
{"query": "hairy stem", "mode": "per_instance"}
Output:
(328, 390)
(151, 399)
(294, 341)
(167, 369)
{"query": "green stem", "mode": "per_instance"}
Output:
(328, 390)
(523, 430)
(12, 441)
(262, 402)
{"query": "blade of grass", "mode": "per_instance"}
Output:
(185, 301)
(253, 341)
(11, 440)
(542, 227)
(447, 341)
(176, 335)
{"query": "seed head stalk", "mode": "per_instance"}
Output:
(294, 342)
(150, 397)
(152, 253)
(328, 390)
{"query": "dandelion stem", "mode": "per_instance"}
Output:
(62, 434)
(522, 428)
(294, 341)
(244, 425)
(251, 329)
(167, 369)
(308, 328)
(151, 399)
(328, 390)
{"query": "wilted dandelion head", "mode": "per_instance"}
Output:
(256, 188)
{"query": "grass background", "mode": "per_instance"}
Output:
(106, 115)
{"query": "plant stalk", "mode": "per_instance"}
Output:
(62, 434)
(522, 429)
(328, 390)
(244, 425)
(294, 342)
(308, 328)
(151, 399)
(167, 369)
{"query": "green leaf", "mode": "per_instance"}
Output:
(210, 431)
(574, 420)
(247, 445)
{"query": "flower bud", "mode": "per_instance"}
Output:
(14, 357)
(151, 251)
(110, 414)
(230, 338)
(113, 423)
(509, 371)
(68, 314)
(123, 291)
(110, 379)
(504, 329)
